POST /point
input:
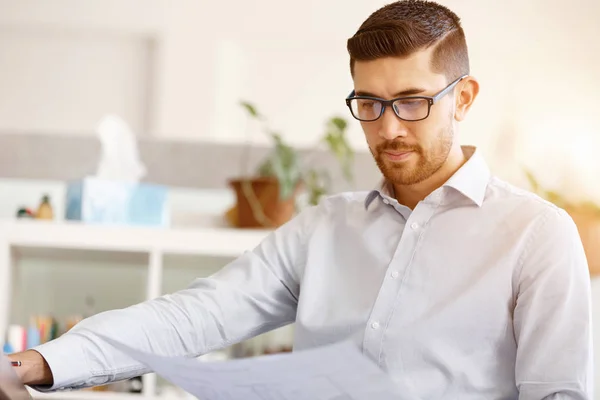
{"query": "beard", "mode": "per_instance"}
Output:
(422, 164)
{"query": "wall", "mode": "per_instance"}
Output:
(67, 63)
(174, 163)
(90, 82)
(537, 63)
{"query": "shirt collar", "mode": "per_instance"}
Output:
(470, 180)
(384, 188)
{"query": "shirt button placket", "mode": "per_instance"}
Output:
(388, 295)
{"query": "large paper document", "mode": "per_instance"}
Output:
(334, 372)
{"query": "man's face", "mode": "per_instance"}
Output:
(406, 152)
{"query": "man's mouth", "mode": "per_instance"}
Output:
(395, 155)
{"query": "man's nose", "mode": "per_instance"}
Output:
(391, 126)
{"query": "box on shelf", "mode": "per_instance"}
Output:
(100, 201)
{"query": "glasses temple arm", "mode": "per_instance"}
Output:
(447, 89)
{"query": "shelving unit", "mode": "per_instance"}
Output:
(88, 395)
(67, 240)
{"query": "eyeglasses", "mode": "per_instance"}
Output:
(411, 108)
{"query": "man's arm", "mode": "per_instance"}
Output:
(255, 293)
(552, 318)
(34, 369)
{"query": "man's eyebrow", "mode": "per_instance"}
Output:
(407, 92)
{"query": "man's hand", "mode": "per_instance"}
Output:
(34, 369)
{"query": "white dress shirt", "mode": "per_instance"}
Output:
(481, 292)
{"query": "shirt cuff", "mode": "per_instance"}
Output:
(66, 359)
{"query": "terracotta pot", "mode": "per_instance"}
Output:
(258, 203)
(588, 224)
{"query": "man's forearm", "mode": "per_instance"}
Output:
(34, 369)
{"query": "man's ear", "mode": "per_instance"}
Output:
(465, 96)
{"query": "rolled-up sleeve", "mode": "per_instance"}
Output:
(552, 318)
(253, 294)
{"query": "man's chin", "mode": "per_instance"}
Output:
(395, 172)
(403, 168)
(397, 176)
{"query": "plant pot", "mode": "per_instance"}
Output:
(588, 225)
(259, 205)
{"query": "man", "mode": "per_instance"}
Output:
(456, 283)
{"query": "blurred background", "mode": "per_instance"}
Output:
(125, 126)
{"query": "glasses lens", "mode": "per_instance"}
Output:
(365, 109)
(411, 109)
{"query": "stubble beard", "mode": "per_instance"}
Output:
(422, 164)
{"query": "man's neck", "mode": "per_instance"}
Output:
(411, 195)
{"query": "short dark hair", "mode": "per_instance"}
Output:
(401, 28)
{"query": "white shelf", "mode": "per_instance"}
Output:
(210, 241)
(153, 247)
(90, 395)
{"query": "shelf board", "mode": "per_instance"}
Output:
(62, 255)
(88, 395)
(210, 241)
(173, 262)
(92, 395)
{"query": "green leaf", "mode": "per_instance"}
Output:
(339, 146)
(251, 109)
(340, 123)
(550, 195)
(535, 186)
(266, 168)
(283, 164)
(315, 195)
(316, 185)
(276, 136)
(556, 198)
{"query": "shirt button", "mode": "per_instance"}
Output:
(414, 226)
(375, 325)
(394, 274)
(386, 201)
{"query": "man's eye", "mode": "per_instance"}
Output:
(411, 103)
(367, 104)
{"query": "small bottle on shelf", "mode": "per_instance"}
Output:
(45, 211)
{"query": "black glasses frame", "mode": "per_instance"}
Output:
(431, 100)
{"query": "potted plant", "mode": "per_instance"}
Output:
(585, 214)
(267, 197)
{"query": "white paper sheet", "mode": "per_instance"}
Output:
(334, 372)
